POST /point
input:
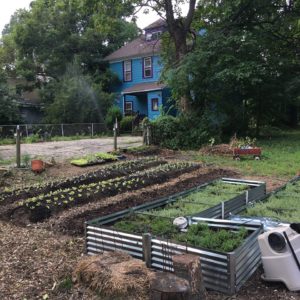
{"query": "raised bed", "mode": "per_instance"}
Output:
(282, 204)
(222, 271)
(230, 204)
(99, 237)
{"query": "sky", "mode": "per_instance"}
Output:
(8, 7)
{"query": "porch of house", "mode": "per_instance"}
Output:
(143, 99)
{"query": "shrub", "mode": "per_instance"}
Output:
(113, 113)
(184, 132)
(126, 124)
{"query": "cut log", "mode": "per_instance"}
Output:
(188, 267)
(167, 286)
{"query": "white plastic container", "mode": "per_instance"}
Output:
(278, 260)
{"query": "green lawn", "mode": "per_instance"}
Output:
(280, 157)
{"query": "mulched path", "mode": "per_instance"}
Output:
(37, 260)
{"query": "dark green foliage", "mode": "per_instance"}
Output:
(184, 132)
(223, 240)
(126, 124)
(140, 224)
(198, 235)
(9, 112)
(245, 68)
(113, 113)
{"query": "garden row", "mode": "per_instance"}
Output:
(283, 205)
(44, 205)
(109, 172)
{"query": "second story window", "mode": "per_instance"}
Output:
(147, 66)
(127, 70)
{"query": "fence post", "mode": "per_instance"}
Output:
(18, 147)
(26, 126)
(223, 209)
(115, 135)
(147, 249)
(62, 130)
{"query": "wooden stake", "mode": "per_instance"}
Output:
(18, 147)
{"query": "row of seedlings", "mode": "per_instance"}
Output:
(147, 232)
(282, 204)
(105, 173)
(44, 205)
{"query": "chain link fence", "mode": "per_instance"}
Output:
(48, 131)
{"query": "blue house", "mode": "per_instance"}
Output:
(138, 66)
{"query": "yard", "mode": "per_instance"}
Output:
(41, 216)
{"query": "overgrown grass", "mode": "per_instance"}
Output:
(280, 157)
(283, 205)
(201, 200)
(198, 235)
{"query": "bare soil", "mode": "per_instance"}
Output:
(66, 149)
(37, 261)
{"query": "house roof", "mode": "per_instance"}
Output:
(144, 87)
(135, 48)
(157, 23)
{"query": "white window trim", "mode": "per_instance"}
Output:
(127, 70)
(150, 67)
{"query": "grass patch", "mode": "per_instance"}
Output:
(279, 157)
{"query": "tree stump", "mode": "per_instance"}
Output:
(167, 286)
(188, 267)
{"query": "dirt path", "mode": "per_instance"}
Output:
(67, 149)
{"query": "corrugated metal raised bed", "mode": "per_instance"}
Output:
(223, 272)
(281, 204)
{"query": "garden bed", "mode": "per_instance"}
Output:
(44, 205)
(282, 204)
(222, 271)
(105, 173)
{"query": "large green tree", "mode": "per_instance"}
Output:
(245, 68)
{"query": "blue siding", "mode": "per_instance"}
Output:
(154, 114)
(141, 103)
(137, 72)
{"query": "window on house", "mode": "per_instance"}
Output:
(155, 35)
(154, 104)
(147, 67)
(127, 70)
(128, 107)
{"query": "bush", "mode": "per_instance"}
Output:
(113, 113)
(126, 124)
(184, 132)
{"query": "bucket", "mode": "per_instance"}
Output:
(37, 165)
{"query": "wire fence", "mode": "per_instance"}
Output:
(48, 131)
